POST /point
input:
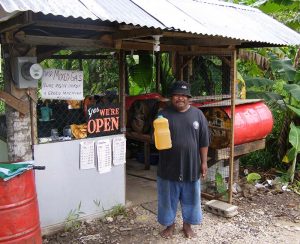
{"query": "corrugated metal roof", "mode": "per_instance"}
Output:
(204, 17)
(221, 19)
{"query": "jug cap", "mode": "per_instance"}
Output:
(160, 116)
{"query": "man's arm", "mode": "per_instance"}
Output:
(203, 157)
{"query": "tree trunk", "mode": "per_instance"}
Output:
(19, 127)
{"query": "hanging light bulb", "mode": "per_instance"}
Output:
(156, 45)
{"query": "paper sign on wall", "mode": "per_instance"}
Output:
(103, 148)
(62, 84)
(119, 150)
(87, 155)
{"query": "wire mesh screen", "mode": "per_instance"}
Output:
(210, 83)
(60, 120)
(55, 118)
(209, 77)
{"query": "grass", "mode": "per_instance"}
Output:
(116, 211)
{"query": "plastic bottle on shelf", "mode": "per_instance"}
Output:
(162, 135)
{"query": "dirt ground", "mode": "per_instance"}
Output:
(263, 217)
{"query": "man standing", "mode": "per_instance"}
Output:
(179, 168)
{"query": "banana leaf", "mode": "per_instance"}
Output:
(294, 109)
(285, 69)
(259, 82)
(294, 137)
(293, 89)
(267, 96)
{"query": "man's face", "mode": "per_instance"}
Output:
(180, 102)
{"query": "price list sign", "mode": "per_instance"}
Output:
(103, 148)
(87, 155)
(119, 150)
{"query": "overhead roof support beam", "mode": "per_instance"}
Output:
(22, 20)
(135, 33)
(55, 24)
(61, 41)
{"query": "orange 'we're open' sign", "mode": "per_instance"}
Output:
(103, 120)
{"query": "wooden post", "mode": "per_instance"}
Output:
(225, 76)
(122, 90)
(179, 61)
(147, 155)
(232, 86)
(157, 62)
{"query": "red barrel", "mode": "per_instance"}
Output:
(253, 121)
(19, 216)
(129, 100)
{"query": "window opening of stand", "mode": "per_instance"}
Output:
(78, 87)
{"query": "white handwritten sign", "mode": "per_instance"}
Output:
(103, 148)
(119, 150)
(62, 84)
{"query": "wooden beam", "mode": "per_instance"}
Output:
(233, 73)
(201, 41)
(55, 24)
(14, 102)
(186, 62)
(61, 41)
(158, 71)
(179, 34)
(81, 56)
(207, 51)
(135, 33)
(131, 45)
(242, 149)
(17, 22)
(226, 60)
(122, 60)
(44, 52)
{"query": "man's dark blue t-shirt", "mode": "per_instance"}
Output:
(189, 132)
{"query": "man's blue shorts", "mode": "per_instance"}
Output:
(172, 192)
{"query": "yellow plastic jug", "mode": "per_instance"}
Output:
(162, 135)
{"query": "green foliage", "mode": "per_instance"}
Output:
(72, 221)
(141, 74)
(220, 185)
(99, 75)
(262, 159)
(166, 76)
(116, 211)
(294, 139)
(99, 204)
(296, 187)
(2, 104)
(284, 68)
(253, 177)
(207, 77)
(263, 83)
(286, 11)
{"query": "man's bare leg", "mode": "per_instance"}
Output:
(187, 231)
(168, 232)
